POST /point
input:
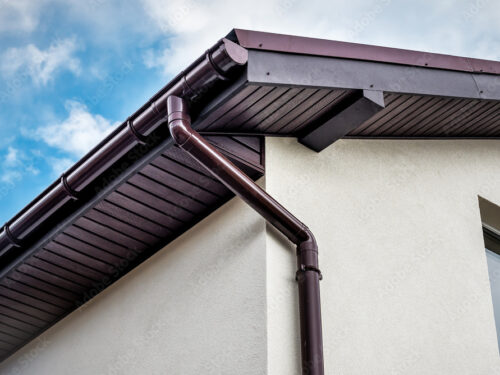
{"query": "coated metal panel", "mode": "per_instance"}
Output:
(332, 48)
(430, 117)
(155, 203)
(289, 70)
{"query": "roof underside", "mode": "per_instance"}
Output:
(291, 111)
(119, 228)
(318, 91)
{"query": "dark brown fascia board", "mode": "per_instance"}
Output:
(285, 69)
(355, 51)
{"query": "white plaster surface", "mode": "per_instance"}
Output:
(196, 307)
(405, 290)
(406, 286)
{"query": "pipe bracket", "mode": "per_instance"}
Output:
(12, 239)
(135, 133)
(218, 71)
(73, 194)
(303, 269)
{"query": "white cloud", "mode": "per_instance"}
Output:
(10, 176)
(19, 15)
(78, 133)
(10, 166)
(60, 165)
(31, 169)
(41, 65)
(105, 22)
(12, 157)
(15, 164)
(459, 27)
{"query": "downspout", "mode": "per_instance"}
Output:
(308, 274)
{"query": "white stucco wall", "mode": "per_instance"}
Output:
(405, 290)
(196, 307)
(405, 287)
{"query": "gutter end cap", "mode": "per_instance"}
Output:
(236, 52)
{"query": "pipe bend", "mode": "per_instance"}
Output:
(306, 240)
(179, 120)
(307, 254)
(180, 132)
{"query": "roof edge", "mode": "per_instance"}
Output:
(331, 48)
(203, 77)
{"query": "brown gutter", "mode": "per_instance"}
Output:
(192, 84)
(308, 274)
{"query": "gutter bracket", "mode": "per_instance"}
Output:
(69, 190)
(13, 240)
(138, 136)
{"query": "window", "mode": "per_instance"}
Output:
(490, 216)
(492, 242)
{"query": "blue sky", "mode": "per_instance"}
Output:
(72, 70)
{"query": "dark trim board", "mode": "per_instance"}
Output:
(264, 41)
(276, 69)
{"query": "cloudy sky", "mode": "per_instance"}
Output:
(71, 70)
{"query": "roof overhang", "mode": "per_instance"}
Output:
(316, 90)
(263, 41)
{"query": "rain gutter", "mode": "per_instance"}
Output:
(193, 84)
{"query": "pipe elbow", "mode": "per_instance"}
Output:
(307, 240)
(179, 122)
(307, 253)
(180, 132)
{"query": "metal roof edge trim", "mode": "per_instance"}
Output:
(331, 48)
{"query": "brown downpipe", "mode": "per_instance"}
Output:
(308, 274)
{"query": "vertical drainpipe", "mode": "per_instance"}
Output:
(308, 273)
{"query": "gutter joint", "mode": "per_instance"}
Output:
(12, 239)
